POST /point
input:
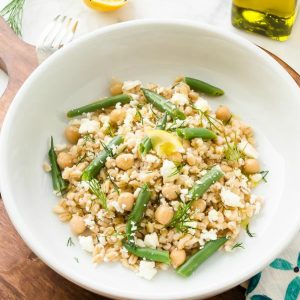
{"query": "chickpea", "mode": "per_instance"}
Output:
(124, 161)
(170, 191)
(72, 134)
(164, 214)
(64, 160)
(116, 88)
(126, 200)
(199, 204)
(251, 166)
(77, 224)
(117, 116)
(223, 113)
(191, 160)
(175, 157)
(177, 257)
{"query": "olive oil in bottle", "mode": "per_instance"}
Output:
(273, 18)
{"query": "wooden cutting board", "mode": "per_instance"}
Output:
(22, 274)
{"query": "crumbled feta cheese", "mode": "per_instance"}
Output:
(88, 126)
(213, 215)
(124, 177)
(102, 240)
(169, 171)
(83, 185)
(192, 226)
(130, 113)
(247, 149)
(147, 269)
(86, 243)
(209, 235)
(118, 105)
(124, 250)
(149, 158)
(101, 214)
(179, 99)
(151, 240)
(133, 226)
(129, 85)
(135, 98)
(183, 193)
(140, 243)
(116, 206)
(202, 104)
(89, 220)
(230, 199)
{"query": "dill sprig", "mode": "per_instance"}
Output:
(175, 125)
(238, 245)
(12, 13)
(264, 175)
(251, 234)
(70, 242)
(76, 259)
(108, 150)
(232, 152)
(210, 120)
(96, 190)
(110, 131)
(181, 218)
(116, 188)
(177, 169)
(139, 114)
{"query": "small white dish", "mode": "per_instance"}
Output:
(257, 89)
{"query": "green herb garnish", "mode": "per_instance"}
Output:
(238, 245)
(96, 190)
(264, 175)
(70, 242)
(248, 231)
(12, 13)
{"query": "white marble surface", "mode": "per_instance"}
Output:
(38, 13)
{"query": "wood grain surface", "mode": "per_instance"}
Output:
(22, 274)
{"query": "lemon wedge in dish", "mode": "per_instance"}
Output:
(164, 143)
(105, 5)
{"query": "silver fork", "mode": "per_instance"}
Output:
(57, 34)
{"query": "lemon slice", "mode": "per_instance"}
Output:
(164, 143)
(105, 5)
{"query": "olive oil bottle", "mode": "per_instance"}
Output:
(273, 18)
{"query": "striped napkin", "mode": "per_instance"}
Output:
(281, 279)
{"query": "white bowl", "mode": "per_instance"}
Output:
(257, 89)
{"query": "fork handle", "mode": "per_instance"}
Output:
(17, 59)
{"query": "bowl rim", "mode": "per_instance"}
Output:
(33, 243)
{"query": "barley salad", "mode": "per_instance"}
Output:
(154, 178)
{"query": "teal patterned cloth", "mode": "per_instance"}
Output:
(281, 279)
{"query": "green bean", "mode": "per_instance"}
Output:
(148, 253)
(204, 87)
(163, 105)
(104, 103)
(191, 133)
(199, 188)
(137, 213)
(58, 183)
(98, 163)
(146, 145)
(199, 257)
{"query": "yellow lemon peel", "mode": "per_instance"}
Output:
(105, 5)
